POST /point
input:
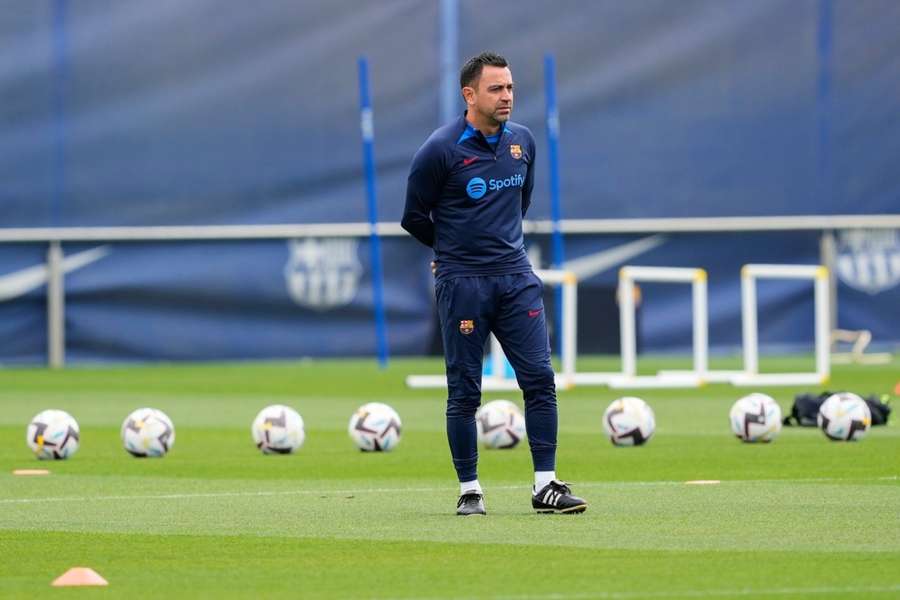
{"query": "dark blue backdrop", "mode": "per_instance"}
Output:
(181, 112)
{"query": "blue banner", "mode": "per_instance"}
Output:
(216, 300)
(314, 296)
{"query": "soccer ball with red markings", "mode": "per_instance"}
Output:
(278, 429)
(148, 432)
(375, 427)
(756, 418)
(844, 417)
(629, 421)
(500, 425)
(53, 435)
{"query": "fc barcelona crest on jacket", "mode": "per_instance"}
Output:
(515, 150)
(466, 326)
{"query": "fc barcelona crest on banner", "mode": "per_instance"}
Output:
(323, 273)
(466, 327)
(515, 150)
(869, 259)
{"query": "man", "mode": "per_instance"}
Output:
(469, 187)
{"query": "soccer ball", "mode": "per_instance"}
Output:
(500, 424)
(278, 429)
(629, 421)
(375, 427)
(756, 418)
(148, 432)
(52, 434)
(844, 417)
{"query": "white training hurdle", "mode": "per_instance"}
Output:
(751, 374)
(696, 377)
(497, 381)
(700, 374)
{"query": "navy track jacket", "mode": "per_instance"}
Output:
(466, 199)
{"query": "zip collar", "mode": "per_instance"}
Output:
(468, 131)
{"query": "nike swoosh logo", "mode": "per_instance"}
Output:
(587, 266)
(469, 161)
(18, 283)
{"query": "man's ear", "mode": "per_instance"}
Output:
(468, 94)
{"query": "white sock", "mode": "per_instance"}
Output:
(542, 478)
(469, 486)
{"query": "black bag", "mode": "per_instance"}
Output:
(805, 411)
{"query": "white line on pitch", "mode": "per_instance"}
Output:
(793, 591)
(395, 490)
(236, 494)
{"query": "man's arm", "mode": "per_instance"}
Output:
(529, 181)
(423, 188)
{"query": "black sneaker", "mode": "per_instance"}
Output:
(556, 497)
(470, 503)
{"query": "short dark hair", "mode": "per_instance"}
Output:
(471, 71)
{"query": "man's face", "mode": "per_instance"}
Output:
(493, 94)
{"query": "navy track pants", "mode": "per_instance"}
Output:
(512, 307)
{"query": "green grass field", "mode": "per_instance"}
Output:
(800, 518)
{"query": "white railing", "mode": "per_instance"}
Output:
(390, 229)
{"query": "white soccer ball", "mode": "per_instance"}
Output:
(756, 418)
(844, 417)
(148, 432)
(500, 424)
(629, 421)
(52, 434)
(375, 427)
(278, 429)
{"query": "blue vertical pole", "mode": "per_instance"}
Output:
(559, 254)
(368, 138)
(60, 85)
(823, 103)
(824, 182)
(449, 51)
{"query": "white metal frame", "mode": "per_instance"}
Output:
(567, 226)
(751, 375)
(56, 307)
(696, 377)
(497, 381)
